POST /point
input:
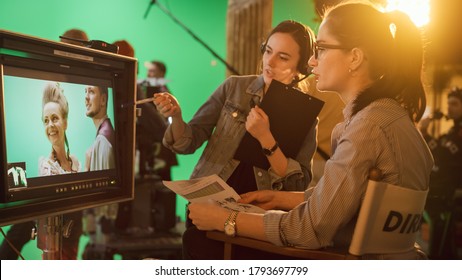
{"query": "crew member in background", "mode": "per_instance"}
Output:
(155, 158)
(445, 178)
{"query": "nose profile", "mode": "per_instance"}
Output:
(49, 124)
(270, 59)
(312, 62)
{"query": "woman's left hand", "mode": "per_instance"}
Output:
(257, 123)
(265, 199)
(208, 216)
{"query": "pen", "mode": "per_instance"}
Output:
(142, 101)
(146, 100)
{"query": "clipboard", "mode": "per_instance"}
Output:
(292, 113)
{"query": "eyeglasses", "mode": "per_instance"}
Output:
(320, 47)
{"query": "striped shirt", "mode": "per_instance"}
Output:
(380, 136)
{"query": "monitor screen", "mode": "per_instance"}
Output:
(67, 134)
(31, 133)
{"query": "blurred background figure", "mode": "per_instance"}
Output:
(74, 34)
(155, 81)
(154, 157)
(443, 204)
(156, 69)
(125, 48)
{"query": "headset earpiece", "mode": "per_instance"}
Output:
(263, 48)
(303, 66)
(306, 68)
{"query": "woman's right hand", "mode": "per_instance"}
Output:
(167, 105)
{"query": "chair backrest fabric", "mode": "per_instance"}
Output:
(389, 219)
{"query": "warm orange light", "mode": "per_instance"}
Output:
(417, 10)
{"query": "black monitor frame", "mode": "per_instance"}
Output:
(55, 195)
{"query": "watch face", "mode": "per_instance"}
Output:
(229, 229)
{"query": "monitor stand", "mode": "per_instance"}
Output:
(49, 237)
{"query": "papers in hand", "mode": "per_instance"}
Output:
(211, 188)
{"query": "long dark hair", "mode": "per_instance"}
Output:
(393, 48)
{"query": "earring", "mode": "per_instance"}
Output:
(349, 70)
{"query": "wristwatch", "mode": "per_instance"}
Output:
(230, 224)
(270, 151)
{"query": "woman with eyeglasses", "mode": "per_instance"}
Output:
(374, 61)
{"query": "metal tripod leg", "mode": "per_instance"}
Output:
(49, 236)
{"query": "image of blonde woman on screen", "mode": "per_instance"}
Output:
(55, 110)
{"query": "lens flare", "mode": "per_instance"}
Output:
(417, 10)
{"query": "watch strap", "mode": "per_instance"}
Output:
(232, 220)
(232, 217)
(270, 151)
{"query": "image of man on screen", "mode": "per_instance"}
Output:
(99, 221)
(100, 155)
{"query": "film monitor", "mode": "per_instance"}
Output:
(32, 181)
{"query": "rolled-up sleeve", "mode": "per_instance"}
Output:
(292, 229)
(298, 173)
(180, 145)
(272, 221)
(201, 126)
(335, 200)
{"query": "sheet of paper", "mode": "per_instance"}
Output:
(211, 188)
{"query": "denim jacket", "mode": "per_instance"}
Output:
(221, 121)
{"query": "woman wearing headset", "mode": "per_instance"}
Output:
(231, 111)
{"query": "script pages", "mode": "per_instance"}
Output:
(211, 188)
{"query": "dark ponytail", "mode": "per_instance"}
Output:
(393, 47)
(407, 67)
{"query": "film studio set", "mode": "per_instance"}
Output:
(232, 130)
